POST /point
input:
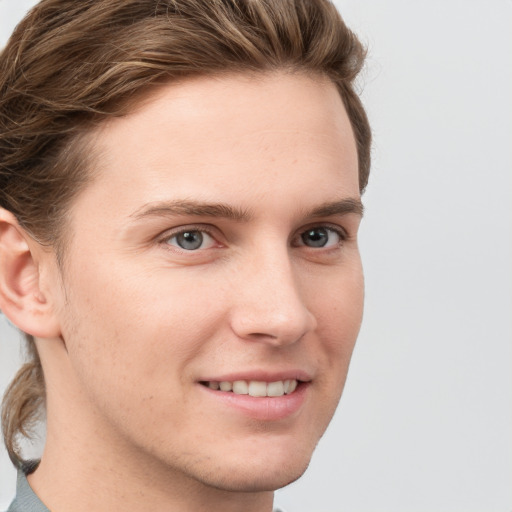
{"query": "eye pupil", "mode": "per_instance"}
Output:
(316, 237)
(190, 240)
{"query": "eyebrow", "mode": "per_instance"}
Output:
(225, 211)
(195, 208)
(342, 207)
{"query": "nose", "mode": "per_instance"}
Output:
(269, 307)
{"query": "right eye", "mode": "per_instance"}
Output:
(191, 240)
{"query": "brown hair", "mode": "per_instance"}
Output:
(70, 64)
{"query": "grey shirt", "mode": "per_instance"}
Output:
(26, 499)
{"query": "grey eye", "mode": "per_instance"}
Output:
(320, 237)
(316, 237)
(192, 240)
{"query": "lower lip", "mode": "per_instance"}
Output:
(262, 408)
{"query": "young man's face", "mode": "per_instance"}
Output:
(216, 243)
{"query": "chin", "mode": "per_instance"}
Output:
(267, 470)
(251, 479)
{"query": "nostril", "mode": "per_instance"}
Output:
(261, 335)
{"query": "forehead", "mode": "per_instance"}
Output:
(229, 136)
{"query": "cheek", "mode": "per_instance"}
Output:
(339, 303)
(339, 311)
(146, 328)
(138, 342)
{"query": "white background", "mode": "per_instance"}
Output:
(425, 424)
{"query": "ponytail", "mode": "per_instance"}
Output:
(22, 403)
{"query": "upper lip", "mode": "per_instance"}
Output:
(261, 375)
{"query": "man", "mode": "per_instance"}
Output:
(181, 188)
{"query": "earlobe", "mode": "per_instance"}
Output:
(22, 299)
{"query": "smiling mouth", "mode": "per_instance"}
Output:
(254, 388)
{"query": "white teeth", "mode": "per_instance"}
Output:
(256, 388)
(240, 387)
(226, 386)
(275, 388)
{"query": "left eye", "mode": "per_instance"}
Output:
(191, 240)
(320, 237)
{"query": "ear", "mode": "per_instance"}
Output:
(22, 298)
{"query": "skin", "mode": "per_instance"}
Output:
(135, 322)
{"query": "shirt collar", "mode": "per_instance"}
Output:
(26, 499)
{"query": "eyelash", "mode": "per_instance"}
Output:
(296, 241)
